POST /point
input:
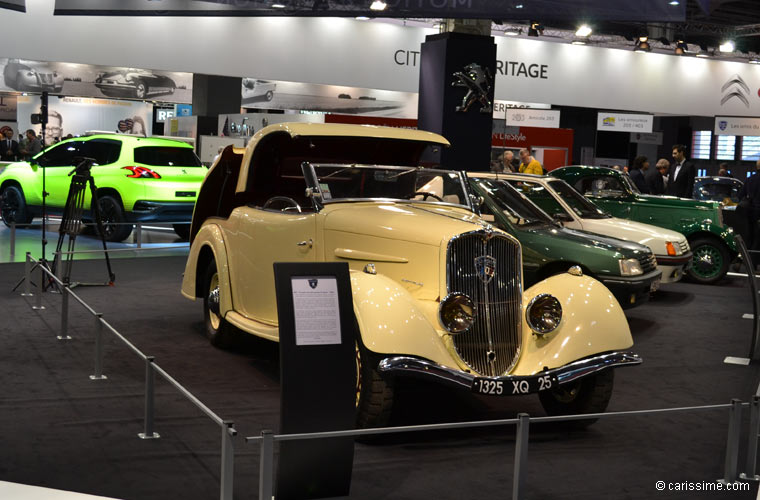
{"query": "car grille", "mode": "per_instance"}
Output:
(648, 262)
(684, 245)
(492, 345)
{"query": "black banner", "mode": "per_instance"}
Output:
(543, 10)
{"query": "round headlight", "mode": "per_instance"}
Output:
(457, 313)
(544, 313)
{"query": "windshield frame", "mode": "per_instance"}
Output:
(314, 190)
(503, 184)
(597, 213)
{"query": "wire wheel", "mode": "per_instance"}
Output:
(710, 262)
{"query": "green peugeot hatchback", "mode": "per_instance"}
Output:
(711, 241)
(138, 179)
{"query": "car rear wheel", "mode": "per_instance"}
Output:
(218, 330)
(141, 90)
(589, 394)
(711, 260)
(182, 230)
(374, 395)
(114, 220)
(269, 95)
(13, 207)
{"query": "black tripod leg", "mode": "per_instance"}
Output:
(99, 223)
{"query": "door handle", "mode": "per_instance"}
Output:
(306, 243)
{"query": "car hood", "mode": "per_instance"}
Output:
(600, 242)
(425, 223)
(652, 236)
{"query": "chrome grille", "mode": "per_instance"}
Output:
(491, 346)
(648, 262)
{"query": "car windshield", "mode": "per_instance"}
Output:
(580, 205)
(631, 185)
(340, 182)
(516, 208)
(725, 192)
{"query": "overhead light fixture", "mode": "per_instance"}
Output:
(642, 44)
(674, 3)
(378, 5)
(583, 31)
(519, 6)
(727, 46)
(512, 31)
(362, 18)
(578, 42)
(278, 6)
(681, 47)
(535, 29)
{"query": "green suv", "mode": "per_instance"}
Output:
(138, 179)
(711, 242)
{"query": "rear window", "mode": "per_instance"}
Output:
(166, 156)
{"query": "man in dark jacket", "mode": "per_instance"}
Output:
(8, 147)
(681, 175)
(654, 177)
(638, 171)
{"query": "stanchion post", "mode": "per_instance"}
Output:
(38, 303)
(64, 333)
(98, 348)
(138, 231)
(13, 239)
(150, 378)
(266, 466)
(754, 430)
(27, 276)
(521, 456)
(730, 473)
(57, 265)
(228, 460)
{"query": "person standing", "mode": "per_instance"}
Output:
(528, 164)
(750, 198)
(508, 161)
(8, 146)
(723, 170)
(638, 170)
(681, 174)
(655, 177)
(33, 145)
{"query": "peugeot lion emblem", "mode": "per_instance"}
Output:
(485, 265)
(313, 282)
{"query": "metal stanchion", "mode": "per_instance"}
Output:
(138, 234)
(730, 474)
(28, 276)
(228, 460)
(149, 400)
(98, 348)
(38, 303)
(521, 456)
(266, 466)
(754, 430)
(64, 333)
(13, 239)
(57, 265)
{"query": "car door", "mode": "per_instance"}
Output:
(608, 192)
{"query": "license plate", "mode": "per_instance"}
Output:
(513, 386)
(654, 286)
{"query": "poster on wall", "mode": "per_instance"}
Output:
(22, 75)
(76, 115)
(8, 107)
(270, 94)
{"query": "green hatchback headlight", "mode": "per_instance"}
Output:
(544, 313)
(457, 313)
(630, 267)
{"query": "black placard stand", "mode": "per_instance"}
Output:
(318, 383)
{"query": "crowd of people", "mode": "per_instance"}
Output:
(24, 148)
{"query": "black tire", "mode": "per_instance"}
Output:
(269, 95)
(112, 215)
(13, 206)
(141, 90)
(590, 394)
(374, 395)
(218, 330)
(182, 230)
(711, 260)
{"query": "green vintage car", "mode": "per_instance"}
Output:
(711, 241)
(627, 269)
(144, 179)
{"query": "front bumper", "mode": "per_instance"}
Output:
(161, 211)
(631, 291)
(512, 385)
(673, 267)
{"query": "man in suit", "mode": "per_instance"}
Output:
(681, 175)
(8, 147)
(654, 176)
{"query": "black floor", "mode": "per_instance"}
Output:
(59, 429)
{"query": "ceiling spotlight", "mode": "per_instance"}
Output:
(578, 42)
(674, 3)
(519, 6)
(642, 44)
(378, 5)
(362, 18)
(278, 6)
(535, 29)
(584, 30)
(681, 47)
(513, 31)
(727, 46)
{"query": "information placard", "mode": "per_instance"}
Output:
(544, 118)
(315, 304)
(736, 125)
(624, 122)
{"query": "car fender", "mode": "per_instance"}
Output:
(726, 234)
(24, 175)
(592, 323)
(209, 238)
(391, 321)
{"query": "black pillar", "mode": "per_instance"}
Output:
(469, 132)
(216, 95)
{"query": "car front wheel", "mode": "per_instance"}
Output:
(218, 330)
(113, 218)
(711, 260)
(374, 395)
(589, 394)
(141, 90)
(13, 207)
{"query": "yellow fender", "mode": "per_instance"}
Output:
(392, 322)
(211, 237)
(592, 322)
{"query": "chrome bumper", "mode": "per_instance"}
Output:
(414, 367)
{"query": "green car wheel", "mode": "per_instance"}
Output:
(711, 260)
(112, 215)
(13, 207)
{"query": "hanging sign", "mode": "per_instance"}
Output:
(735, 125)
(543, 118)
(624, 122)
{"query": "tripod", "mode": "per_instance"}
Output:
(71, 222)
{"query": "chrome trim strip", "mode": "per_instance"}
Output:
(415, 367)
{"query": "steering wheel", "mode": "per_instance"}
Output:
(285, 199)
(425, 195)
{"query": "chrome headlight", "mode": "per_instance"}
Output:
(630, 267)
(544, 313)
(457, 313)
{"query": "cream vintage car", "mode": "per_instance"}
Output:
(558, 198)
(437, 292)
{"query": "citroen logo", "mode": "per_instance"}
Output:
(735, 87)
